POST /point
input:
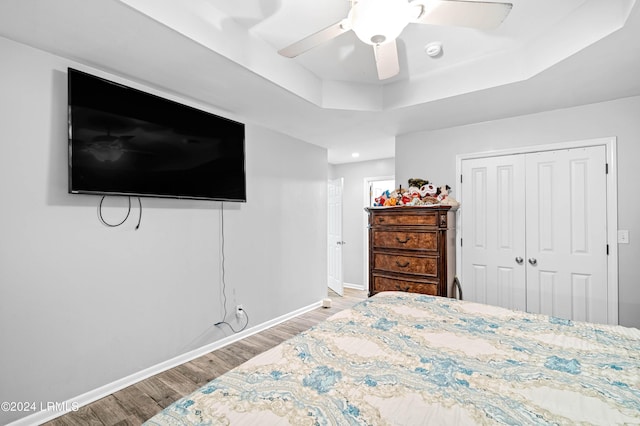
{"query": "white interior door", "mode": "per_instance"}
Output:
(335, 243)
(534, 232)
(567, 234)
(493, 226)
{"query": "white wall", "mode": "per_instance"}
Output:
(82, 305)
(353, 214)
(433, 154)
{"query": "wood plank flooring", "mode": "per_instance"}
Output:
(141, 401)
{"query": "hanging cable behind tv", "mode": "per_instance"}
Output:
(240, 310)
(115, 225)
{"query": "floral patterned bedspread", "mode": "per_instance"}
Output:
(409, 359)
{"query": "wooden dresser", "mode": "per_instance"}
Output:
(412, 249)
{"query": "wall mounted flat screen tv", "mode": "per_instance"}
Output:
(123, 141)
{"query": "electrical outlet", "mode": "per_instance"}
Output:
(239, 311)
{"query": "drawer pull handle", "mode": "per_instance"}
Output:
(402, 289)
(403, 265)
(405, 241)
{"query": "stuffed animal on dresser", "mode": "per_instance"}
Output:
(444, 198)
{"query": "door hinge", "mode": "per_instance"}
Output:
(460, 242)
(606, 168)
(607, 249)
(460, 178)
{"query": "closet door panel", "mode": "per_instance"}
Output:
(493, 231)
(566, 234)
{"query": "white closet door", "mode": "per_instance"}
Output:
(534, 232)
(566, 241)
(493, 226)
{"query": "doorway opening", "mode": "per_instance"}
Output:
(373, 187)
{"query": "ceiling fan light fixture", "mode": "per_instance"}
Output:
(379, 21)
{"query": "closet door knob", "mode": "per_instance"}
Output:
(519, 260)
(533, 261)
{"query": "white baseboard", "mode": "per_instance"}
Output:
(99, 393)
(353, 286)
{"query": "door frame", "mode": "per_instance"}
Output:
(365, 245)
(610, 144)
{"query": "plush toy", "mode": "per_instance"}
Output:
(428, 190)
(426, 194)
(428, 200)
(379, 201)
(417, 182)
(414, 192)
(415, 201)
(444, 197)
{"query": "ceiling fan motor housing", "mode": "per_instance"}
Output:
(379, 21)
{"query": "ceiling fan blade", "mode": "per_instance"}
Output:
(315, 39)
(386, 59)
(459, 13)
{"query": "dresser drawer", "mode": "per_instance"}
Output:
(381, 283)
(427, 241)
(422, 265)
(424, 219)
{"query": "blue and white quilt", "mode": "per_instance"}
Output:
(410, 359)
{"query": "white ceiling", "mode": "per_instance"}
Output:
(548, 54)
(281, 23)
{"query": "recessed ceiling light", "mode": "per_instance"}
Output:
(355, 154)
(433, 49)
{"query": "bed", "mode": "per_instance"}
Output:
(410, 359)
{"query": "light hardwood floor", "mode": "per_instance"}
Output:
(141, 401)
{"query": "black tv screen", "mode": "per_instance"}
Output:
(123, 141)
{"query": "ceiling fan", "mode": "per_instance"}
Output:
(379, 22)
